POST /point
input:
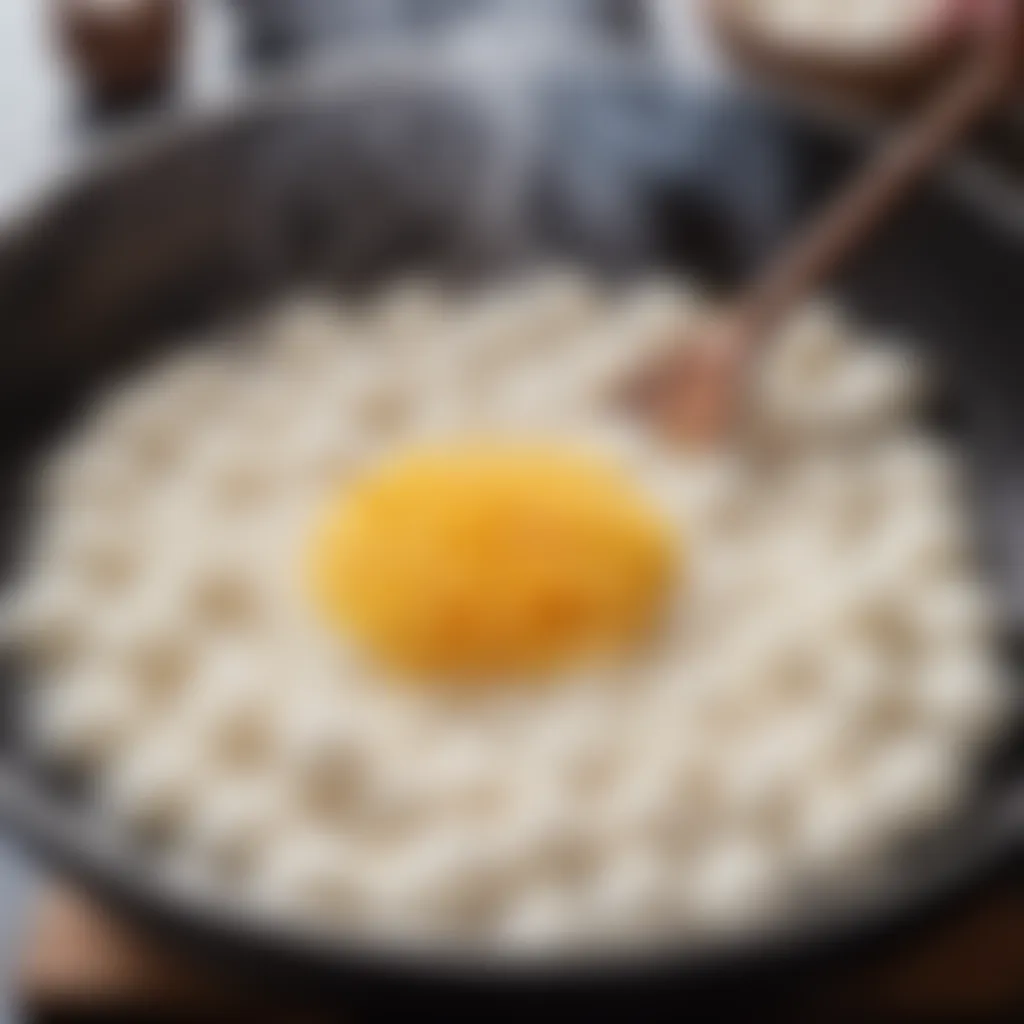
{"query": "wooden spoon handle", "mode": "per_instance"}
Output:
(694, 394)
(845, 224)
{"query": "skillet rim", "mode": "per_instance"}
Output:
(131, 883)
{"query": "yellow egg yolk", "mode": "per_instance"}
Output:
(483, 559)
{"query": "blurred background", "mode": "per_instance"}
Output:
(77, 75)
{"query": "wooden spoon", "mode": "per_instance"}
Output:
(694, 393)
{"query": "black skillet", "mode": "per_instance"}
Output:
(355, 178)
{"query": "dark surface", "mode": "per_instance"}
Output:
(350, 187)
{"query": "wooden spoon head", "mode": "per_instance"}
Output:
(692, 394)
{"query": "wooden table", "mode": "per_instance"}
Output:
(81, 962)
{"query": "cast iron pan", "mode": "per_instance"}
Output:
(352, 179)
